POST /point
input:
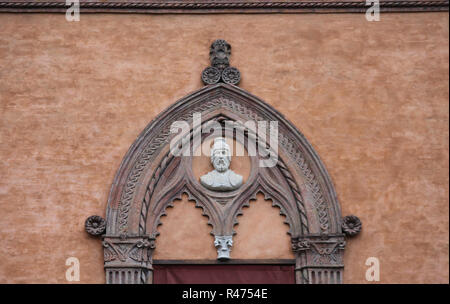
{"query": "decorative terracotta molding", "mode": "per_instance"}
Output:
(224, 6)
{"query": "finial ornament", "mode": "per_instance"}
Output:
(220, 69)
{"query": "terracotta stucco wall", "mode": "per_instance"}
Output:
(371, 97)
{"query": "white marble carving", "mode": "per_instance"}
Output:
(221, 178)
(223, 245)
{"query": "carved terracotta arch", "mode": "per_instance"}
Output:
(150, 153)
(175, 177)
(151, 177)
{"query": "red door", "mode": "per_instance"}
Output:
(223, 274)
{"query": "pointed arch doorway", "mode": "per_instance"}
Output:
(151, 177)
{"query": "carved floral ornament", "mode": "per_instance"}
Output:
(351, 225)
(220, 69)
(152, 176)
(95, 225)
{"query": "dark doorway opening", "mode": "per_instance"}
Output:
(187, 273)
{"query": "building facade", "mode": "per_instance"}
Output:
(364, 102)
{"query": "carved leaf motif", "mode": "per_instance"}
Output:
(136, 254)
(325, 253)
(109, 253)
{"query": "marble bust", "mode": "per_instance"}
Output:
(221, 178)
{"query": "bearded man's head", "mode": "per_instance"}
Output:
(220, 155)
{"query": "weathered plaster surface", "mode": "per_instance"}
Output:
(184, 234)
(372, 98)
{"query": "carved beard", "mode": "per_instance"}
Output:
(221, 164)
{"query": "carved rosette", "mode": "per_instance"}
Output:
(351, 225)
(220, 70)
(231, 75)
(211, 75)
(95, 225)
